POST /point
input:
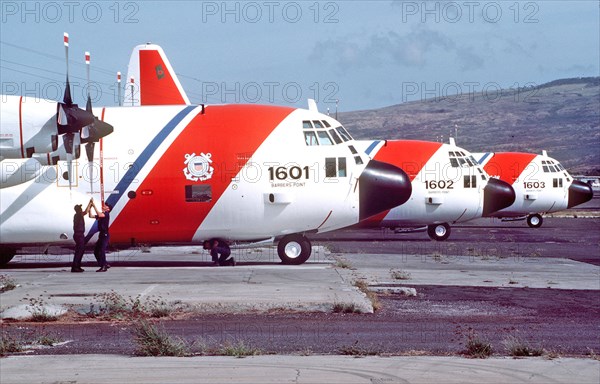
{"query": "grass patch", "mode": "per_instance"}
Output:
(399, 274)
(344, 264)
(477, 347)
(518, 348)
(153, 341)
(238, 349)
(38, 310)
(345, 308)
(356, 350)
(115, 306)
(363, 286)
(6, 283)
(9, 344)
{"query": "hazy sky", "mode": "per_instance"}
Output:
(366, 54)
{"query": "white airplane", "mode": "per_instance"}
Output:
(448, 186)
(182, 174)
(542, 185)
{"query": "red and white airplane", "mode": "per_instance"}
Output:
(542, 185)
(182, 174)
(448, 186)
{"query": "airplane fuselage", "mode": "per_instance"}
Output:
(182, 174)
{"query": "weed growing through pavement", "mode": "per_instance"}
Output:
(399, 274)
(154, 341)
(363, 286)
(38, 308)
(341, 263)
(356, 350)
(6, 283)
(9, 344)
(238, 349)
(477, 347)
(115, 306)
(345, 308)
(519, 348)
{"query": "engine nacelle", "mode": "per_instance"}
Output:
(28, 127)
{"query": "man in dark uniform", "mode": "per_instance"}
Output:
(220, 252)
(79, 236)
(103, 219)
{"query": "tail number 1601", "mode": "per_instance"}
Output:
(283, 173)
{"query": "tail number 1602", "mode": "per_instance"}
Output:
(439, 184)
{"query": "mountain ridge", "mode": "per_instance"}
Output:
(561, 117)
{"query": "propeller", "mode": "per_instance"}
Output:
(77, 125)
(70, 119)
(91, 134)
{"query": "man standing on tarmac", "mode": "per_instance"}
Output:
(79, 236)
(220, 252)
(103, 219)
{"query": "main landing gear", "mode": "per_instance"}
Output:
(294, 249)
(535, 220)
(438, 232)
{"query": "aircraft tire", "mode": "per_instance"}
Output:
(438, 232)
(294, 249)
(6, 255)
(535, 220)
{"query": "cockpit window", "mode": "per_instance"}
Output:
(324, 138)
(315, 133)
(310, 138)
(461, 159)
(335, 136)
(344, 134)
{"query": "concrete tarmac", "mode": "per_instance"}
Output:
(294, 369)
(260, 283)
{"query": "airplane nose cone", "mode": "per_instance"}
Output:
(579, 193)
(497, 195)
(382, 186)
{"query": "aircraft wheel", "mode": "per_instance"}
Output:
(535, 220)
(6, 255)
(438, 232)
(294, 249)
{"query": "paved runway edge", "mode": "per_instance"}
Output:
(294, 369)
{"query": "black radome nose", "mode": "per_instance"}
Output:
(497, 195)
(579, 193)
(382, 186)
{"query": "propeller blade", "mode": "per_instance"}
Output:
(119, 87)
(68, 139)
(67, 96)
(69, 117)
(89, 151)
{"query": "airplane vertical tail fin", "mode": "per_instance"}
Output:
(154, 80)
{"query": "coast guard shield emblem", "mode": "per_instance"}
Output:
(198, 168)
